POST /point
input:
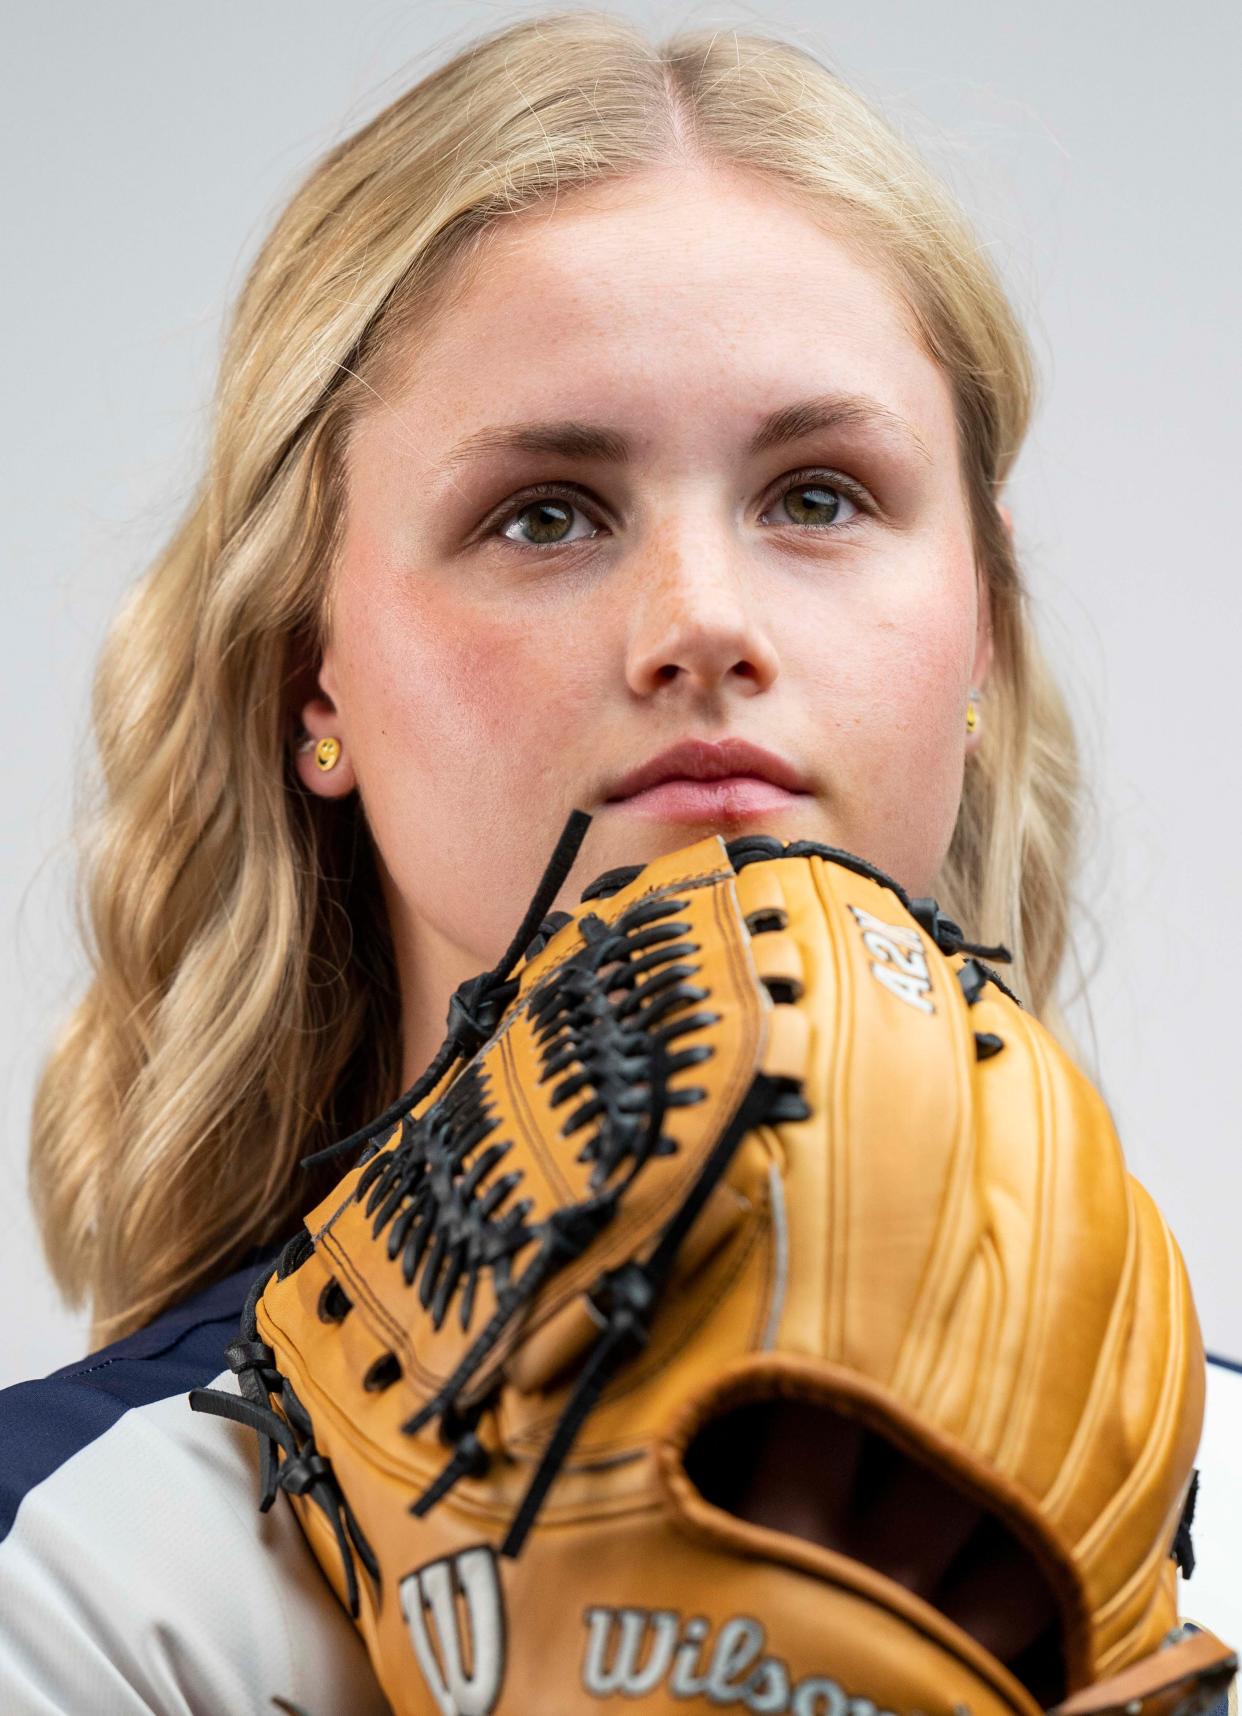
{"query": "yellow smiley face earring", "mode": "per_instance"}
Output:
(972, 710)
(327, 753)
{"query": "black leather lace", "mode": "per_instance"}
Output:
(304, 1470)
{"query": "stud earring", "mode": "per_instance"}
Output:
(327, 752)
(972, 710)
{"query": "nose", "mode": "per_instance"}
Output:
(693, 617)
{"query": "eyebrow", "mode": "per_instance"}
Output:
(578, 440)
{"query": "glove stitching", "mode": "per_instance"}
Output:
(390, 1327)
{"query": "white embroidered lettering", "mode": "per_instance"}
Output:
(898, 959)
(625, 1676)
(686, 1680)
(738, 1645)
(632, 1651)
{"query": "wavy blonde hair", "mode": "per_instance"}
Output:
(243, 1007)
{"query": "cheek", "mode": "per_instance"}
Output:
(449, 709)
(457, 723)
(890, 704)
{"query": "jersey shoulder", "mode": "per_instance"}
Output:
(47, 1421)
(139, 1574)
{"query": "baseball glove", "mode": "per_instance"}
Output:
(749, 1307)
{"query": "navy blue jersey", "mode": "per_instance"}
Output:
(136, 1571)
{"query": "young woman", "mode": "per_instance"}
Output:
(595, 398)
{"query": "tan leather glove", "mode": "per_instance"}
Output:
(750, 1308)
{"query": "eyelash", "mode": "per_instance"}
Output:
(569, 491)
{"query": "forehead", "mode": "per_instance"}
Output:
(691, 290)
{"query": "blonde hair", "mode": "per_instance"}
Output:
(243, 1008)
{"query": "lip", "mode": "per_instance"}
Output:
(722, 766)
(730, 799)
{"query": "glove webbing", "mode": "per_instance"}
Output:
(567, 1234)
(569, 1008)
(454, 1232)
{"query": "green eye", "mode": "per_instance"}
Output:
(824, 503)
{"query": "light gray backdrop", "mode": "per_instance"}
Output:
(147, 148)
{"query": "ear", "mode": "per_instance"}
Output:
(316, 715)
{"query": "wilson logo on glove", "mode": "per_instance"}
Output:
(432, 1599)
(630, 1652)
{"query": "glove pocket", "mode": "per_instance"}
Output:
(781, 1451)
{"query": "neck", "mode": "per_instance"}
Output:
(429, 968)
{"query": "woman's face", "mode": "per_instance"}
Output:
(498, 657)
